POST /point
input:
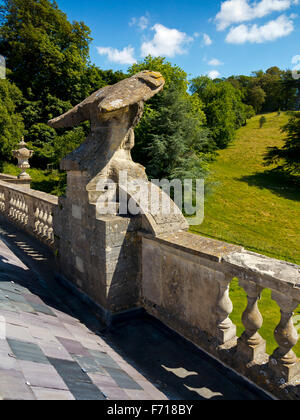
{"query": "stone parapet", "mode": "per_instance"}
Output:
(24, 182)
(29, 209)
(185, 284)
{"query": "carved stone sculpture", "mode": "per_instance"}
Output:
(113, 112)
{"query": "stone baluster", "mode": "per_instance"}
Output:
(7, 198)
(50, 224)
(284, 362)
(2, 201)
(251, 346)
(226, 330)
(31, 214)
(41, 218)
(36, 218)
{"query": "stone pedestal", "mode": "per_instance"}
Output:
(99, 254)
(284, 372)
(251, 353)
(284, 363)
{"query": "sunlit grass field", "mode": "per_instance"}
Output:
(256, 207)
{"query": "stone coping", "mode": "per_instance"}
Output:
(11, 179)
(235, 261)
(5, 176)
(271, 273)
(39, 195)
(197, 245)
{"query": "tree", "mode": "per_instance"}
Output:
(289, 155)
(223, 108)
(291, 92)
(172, 136)
(267, 91)
(48, 59)
(44, 51)
(11, 124)
(256, 97)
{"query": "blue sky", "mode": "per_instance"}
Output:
(203, 37)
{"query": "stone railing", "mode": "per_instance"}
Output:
(11, 179)
(185, 283)
(29, 209)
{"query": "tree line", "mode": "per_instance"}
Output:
(49, 71)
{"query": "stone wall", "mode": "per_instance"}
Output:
(182, 278)
(97, 253)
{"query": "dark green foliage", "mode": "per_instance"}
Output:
(48, 59)
(45, 52)
(288, 157)
(268, 91)
(262, 121)
(172, 137)
(11, 124)
(256, 97)
(249, 112)
(223, 108)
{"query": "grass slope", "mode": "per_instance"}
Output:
(256, 207)
(252, 205)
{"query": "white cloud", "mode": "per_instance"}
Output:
(213, 74)
(142, 22)
(215, 62)
(207, 40)
(166, 42)
(296, 64)
(237, 11)
(274, 29)
(296, 59)
(125, 56)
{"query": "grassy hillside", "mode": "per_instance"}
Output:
(256, 207)
(252, 205)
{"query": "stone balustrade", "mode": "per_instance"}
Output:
(29, 209)
(185, 283)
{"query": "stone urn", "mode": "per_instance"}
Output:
(23, 155)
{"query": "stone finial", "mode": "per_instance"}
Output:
(23, 155)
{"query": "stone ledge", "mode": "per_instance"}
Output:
(40, 195)
(234, 260)
(197, 245)
(278, 275)
(15, 180)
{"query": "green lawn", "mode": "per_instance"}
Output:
(256, 207)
